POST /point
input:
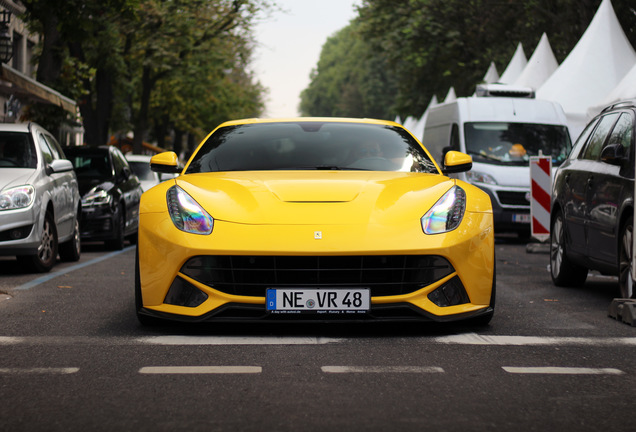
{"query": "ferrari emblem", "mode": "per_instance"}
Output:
(318, 235)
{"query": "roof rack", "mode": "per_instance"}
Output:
(620, 104)
(504, 90)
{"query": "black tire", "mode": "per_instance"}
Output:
(564, 273)
(46, 256)
(119, 222)
(625, 256)
(143, 319)
(71, 250)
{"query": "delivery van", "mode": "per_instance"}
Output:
(500, 127)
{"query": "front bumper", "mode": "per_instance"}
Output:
(17, 233)
(164, 251)
(97, 223)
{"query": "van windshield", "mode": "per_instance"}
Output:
(514, 143)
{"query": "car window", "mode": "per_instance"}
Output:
(54, 146)
(47, 153)
(593, 149)
(17, 151)
(622, 132)
(118, 162)
(311, 145)
(582, 139)
(91, 164)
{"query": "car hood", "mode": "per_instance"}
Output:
(87, 185)
(324, 197)
(12, 177)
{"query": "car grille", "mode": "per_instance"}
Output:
(513, 198)
(252, 275)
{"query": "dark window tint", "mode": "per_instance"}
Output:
(622, 132)
(17, 151)
(311, 145)
(593, 148)
(91, 165)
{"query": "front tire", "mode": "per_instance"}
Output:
(72, 249)
(625, 257)
(564, 273)
(46, 256)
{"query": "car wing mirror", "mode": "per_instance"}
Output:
(456, 162)
(166, 162)
(613, 154)
(59, 166)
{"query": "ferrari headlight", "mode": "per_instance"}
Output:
(186, 214)
(17, 197)
(447, 213)
(96, 197)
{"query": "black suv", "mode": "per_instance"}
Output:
(593, 202)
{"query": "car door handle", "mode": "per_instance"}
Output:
(590, 182)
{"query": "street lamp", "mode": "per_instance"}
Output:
(6, 44)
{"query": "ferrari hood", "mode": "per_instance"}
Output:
(322, 197)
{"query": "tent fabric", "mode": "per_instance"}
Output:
(626, 89)
(492, 76)
(515, 67)
(598, 62)
(450, 96)
(540, 66)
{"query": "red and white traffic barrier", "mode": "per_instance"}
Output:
(540, 186)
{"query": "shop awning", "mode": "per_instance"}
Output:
(24, 86)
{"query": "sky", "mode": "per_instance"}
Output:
(289, 44)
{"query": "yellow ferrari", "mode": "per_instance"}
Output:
(316, 219)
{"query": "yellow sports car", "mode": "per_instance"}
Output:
(314, 219)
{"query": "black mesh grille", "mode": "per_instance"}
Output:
(513, 198)
(252, 275)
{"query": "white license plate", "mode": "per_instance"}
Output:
(521, 217)
(318, 300)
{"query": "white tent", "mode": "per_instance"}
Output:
(492, 76)
(626, 89)
(598, 62)
(540, 67)
(418, 130)
(515, 67)
(450, 96)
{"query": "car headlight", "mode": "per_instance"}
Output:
(96, 197)
(480, 177)
(186, 214)
(447, 213)
(17, 197)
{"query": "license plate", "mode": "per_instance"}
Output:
(318, 300)
(521, 217)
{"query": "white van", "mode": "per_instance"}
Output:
(500, 127)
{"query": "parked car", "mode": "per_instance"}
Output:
(110, 194)
(39, 198)
(140, 164)
(593, 202)
(314, 219)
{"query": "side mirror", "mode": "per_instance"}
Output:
(166, 162)
(59, 166)
(456, 162)
(613, 154)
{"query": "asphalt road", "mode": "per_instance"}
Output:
(73, 357)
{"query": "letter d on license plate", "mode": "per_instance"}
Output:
(314, 300)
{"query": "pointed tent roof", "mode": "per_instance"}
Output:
(626, 89)
(492, 76)
(591, 70)
(515, 67)
(540, 67)
(450, 96)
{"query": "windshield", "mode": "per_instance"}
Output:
(311, 146)
(17, 151)
(142, 170)
(514, 143)
(91, 165)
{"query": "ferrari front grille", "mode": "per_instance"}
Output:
(385, 275)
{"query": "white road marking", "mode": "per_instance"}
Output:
(236, 340)
(476, 339)
(10, 340)
(168, 370)
(562, 370)
(45, 370)
(382, 369)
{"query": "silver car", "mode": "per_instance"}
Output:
(39, 198)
